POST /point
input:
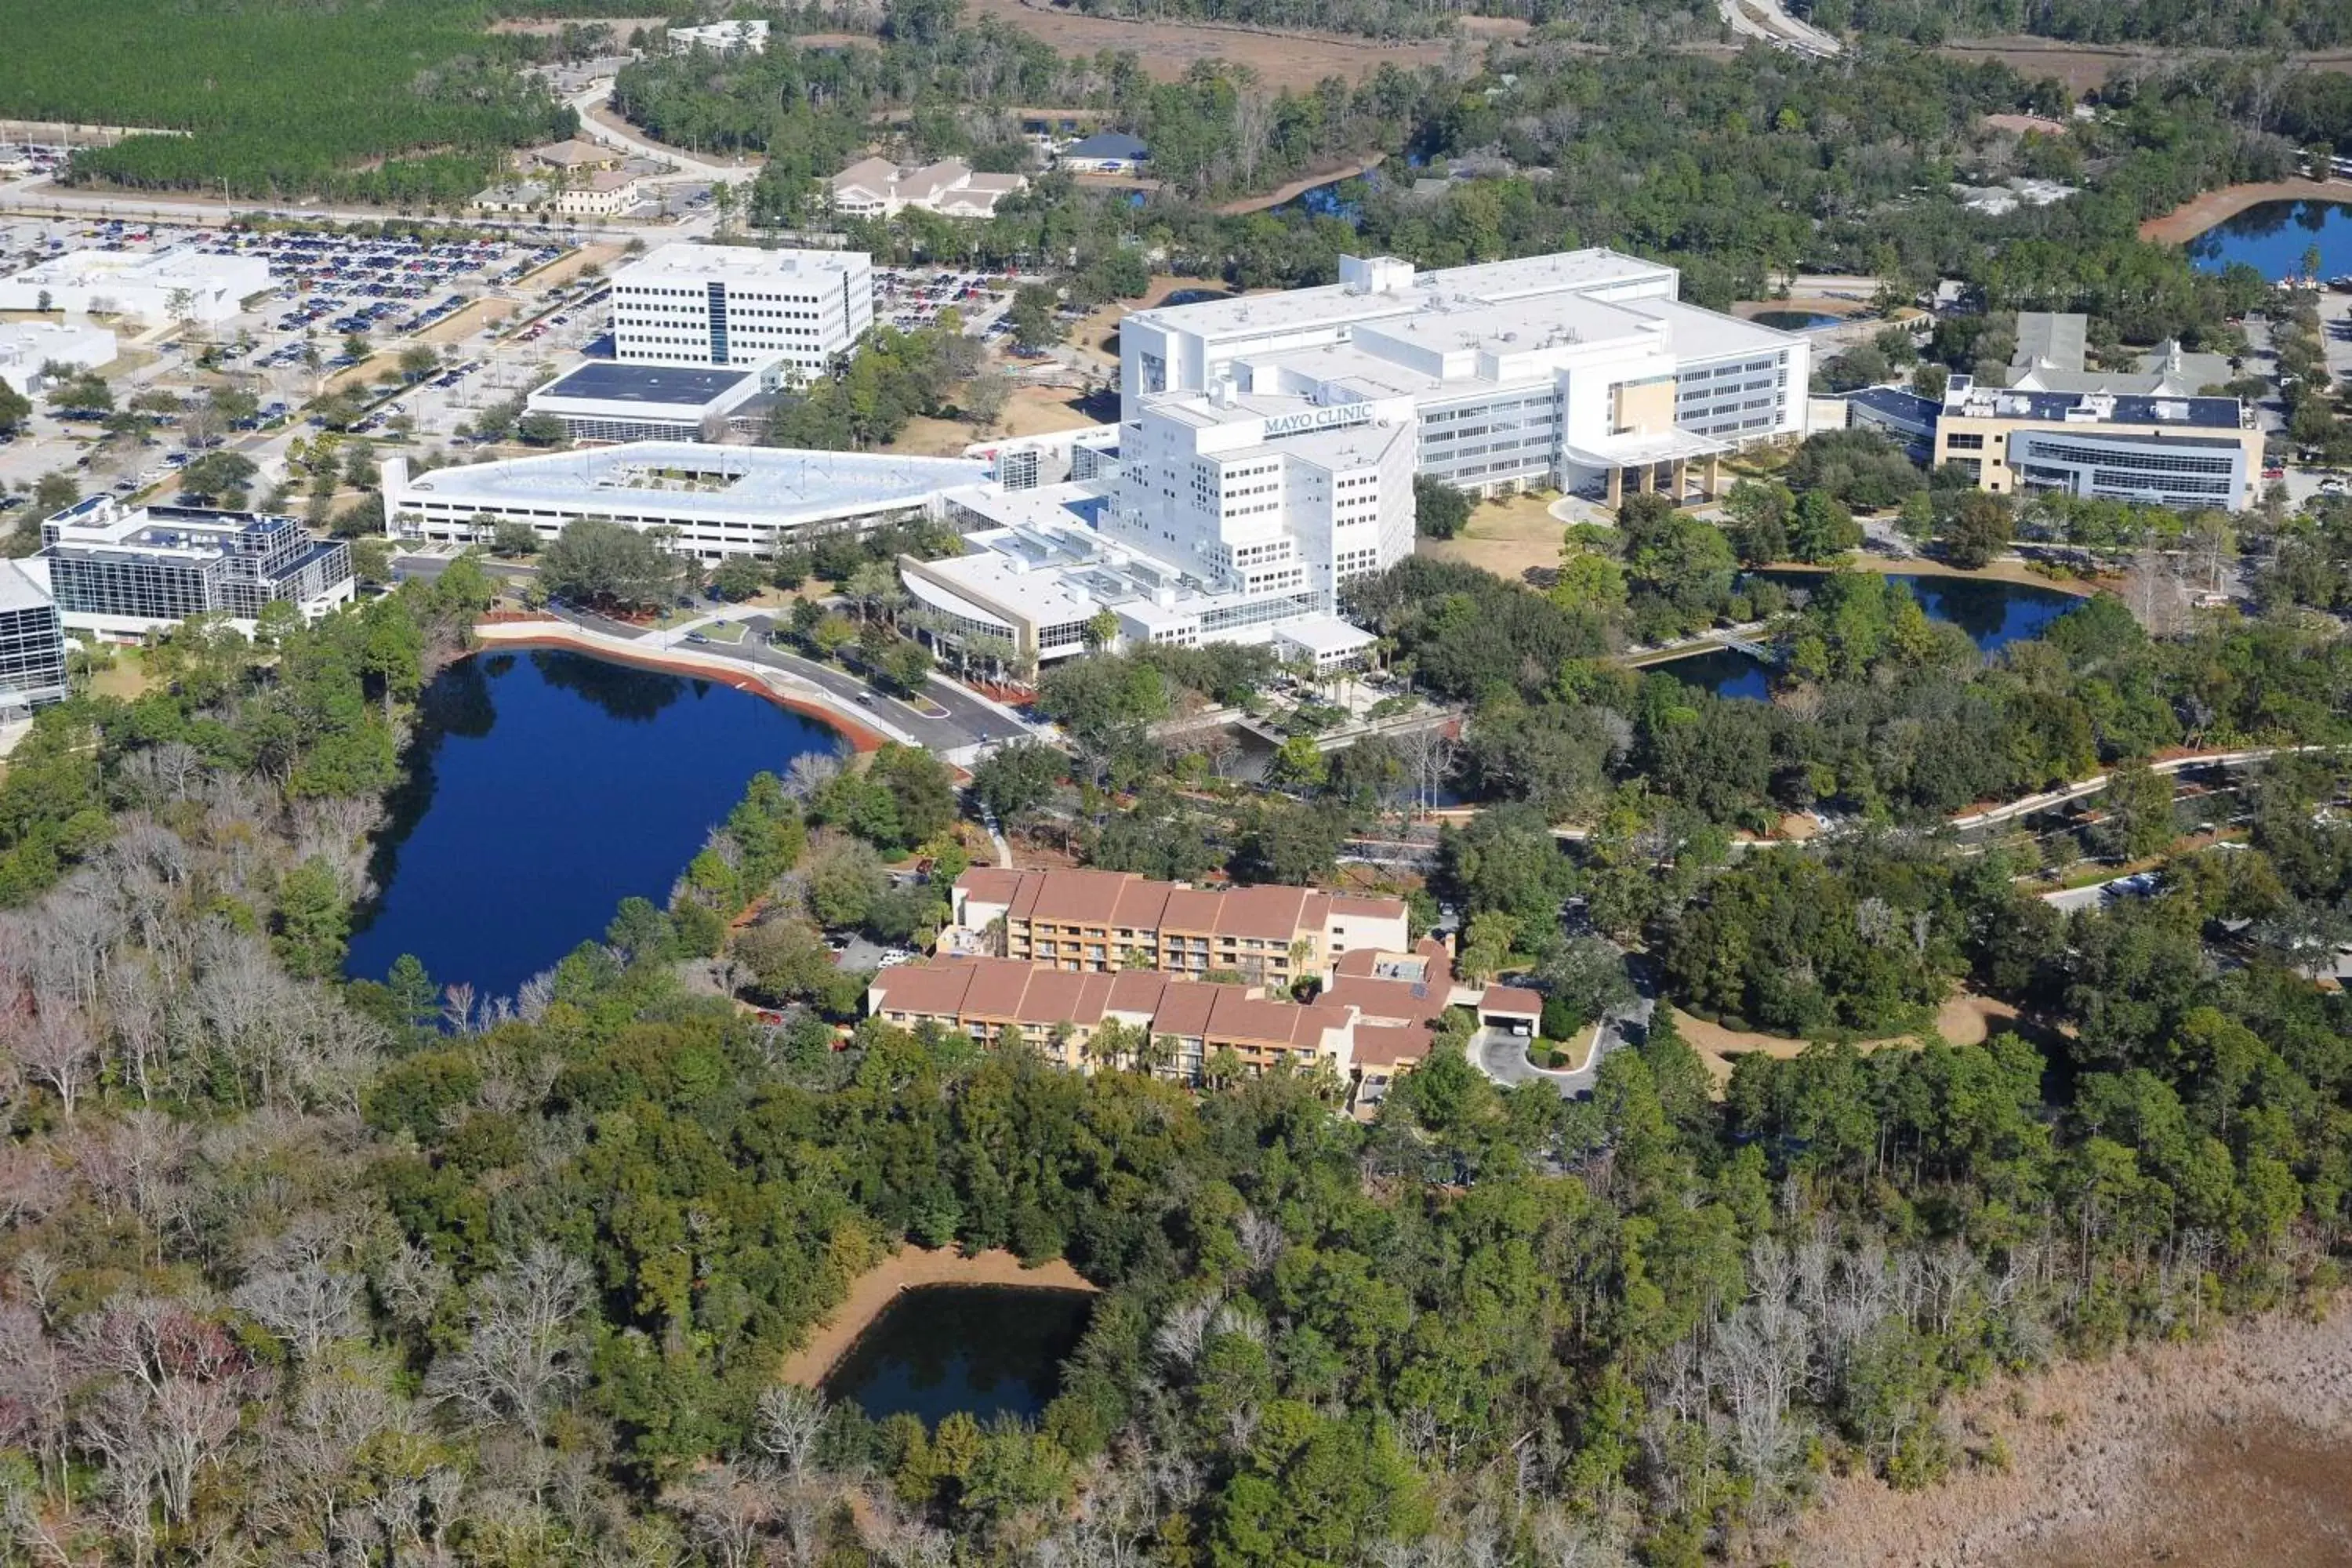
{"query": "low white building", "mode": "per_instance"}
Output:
(1024, 462)
(720, 500)
(151, 285)
(1579, 370)
(877, 188)
(741, 305)
(27, 346)
(604, 193)
(721, 38)
(603, 401)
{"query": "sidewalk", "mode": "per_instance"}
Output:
(707, 659)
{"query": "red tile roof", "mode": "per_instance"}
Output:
(990, 884)
(1511, 999)
(1122, 899)
(1382, 1046)
(1398, 1001)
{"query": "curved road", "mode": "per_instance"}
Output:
(689, 166)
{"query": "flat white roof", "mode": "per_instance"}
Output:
(157, 268)
(1040, 594)
(687, 261)
(32, 342)
(1566, 271)
(18, 591)
(687, 481)
(1699, 333)
(1326, 637)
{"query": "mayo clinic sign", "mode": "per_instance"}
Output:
(1336, 417)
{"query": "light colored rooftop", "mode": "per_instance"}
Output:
(154, 267)
(686, 260)
(1040, 594)
(1327, 636)
(18, 591)
(1695, 333)
(687, 479)
(1566, 271)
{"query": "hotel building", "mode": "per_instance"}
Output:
(1103, 921)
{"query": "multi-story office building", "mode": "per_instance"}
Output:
(32, 642)
(1580, 369)
(123, 572)
(2186, 452)
(739, 305)
(1101, 921)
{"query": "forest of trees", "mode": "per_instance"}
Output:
(379, 1272)
(281, 100)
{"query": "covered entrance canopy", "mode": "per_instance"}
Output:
(1649, 459)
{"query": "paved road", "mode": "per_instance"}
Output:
(689, 166)
(1503, 1056)
(1764, 19)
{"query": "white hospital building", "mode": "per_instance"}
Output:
(1579, 370)
(740, 305)
(1230, 517)
(151, 286)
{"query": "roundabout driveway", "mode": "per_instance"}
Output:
(1503, 1056)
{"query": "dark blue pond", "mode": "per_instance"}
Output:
(983, 1349)
(1795, 321)
(2271, 236)
(1994, 615)
(545, 787)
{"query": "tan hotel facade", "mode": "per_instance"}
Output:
(1106, 922)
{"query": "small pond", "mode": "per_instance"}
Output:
(985, 1350)
(1994, 614)
(2271, 236)
(1795, 321)
(545, 787)
(1195, 297)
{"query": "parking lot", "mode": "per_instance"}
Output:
(304, 336)
(911, 297)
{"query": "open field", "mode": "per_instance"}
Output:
(2082, 67)
(906, 1270)
(2191, 218)
(1512, 538)
(1169, 49)
(2227, 1454)
(1964, 1019)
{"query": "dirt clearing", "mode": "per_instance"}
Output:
(1964, 1019)
(1169, 49)
(915, 1265)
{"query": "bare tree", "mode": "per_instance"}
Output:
(307, 1307)
(787, 1424)
(521, 1353)
(55, 1049)
(725, 1513)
